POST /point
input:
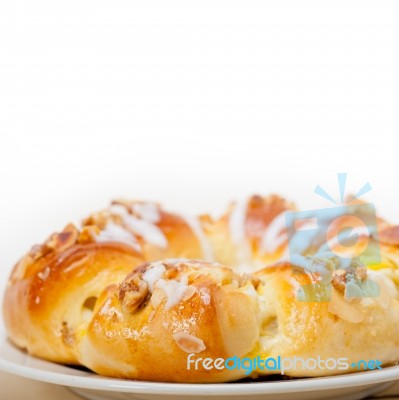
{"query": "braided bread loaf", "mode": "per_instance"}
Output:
(136, 289)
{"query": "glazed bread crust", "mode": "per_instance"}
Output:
(135, 290)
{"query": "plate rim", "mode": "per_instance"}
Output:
(98, 382)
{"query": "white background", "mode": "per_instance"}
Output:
(193, 103)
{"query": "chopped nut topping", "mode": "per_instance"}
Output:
(38, 251)
(63, 240)
(361, 273)
(66, 334)
(56, 242)
(133, 292)
(339, 282)
(341, 277)
(88, 234)
(99, 219)
(189, 343)
(43, 275)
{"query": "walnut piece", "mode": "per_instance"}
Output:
(63, 240)
(340, 278)
(132, 293)
(88, 234)
(339, 282)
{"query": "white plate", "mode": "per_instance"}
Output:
(92, 386)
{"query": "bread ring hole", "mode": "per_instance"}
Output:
(90, 303)
(88, 308)
(269, 327)
(269, 332)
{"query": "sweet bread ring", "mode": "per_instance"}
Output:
(355, 328)
(250, 234)
(52, 290)
(165, 310)
(135, 289)
(48, 300)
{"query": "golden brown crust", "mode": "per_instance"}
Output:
(251, 233)
(52, 289)
(151, 341)
(361, 328)
(44, 308)
(173, 231)
(128, 296)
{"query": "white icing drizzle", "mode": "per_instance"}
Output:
(196, 227)
(144, 225)
(147, 211)
(147, 230)
(273, 237)
(237, 222)
(118, 209)
(174, 291)
(153, 274)
(116, 233)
